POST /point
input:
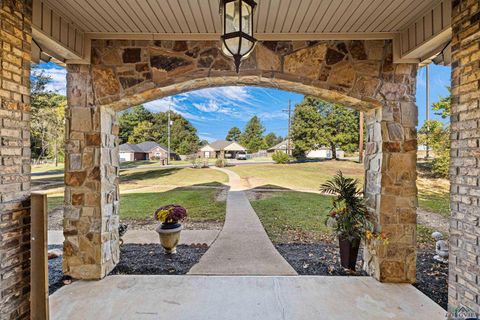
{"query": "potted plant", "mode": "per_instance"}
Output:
(348, 217)
(169, 229)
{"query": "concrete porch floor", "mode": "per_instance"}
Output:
(241, 297)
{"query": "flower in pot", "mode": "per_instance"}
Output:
(348, 217)
(169, 229)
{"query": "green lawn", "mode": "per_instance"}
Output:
(300, 217)
(293, 216)
(54, 201)
(171, 177)
(201, 204)
(47, 167)
(434, 195)
(303, 176)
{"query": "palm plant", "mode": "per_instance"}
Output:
(349, 215)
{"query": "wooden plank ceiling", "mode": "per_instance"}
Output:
(272, 16)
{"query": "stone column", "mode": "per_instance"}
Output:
(15, 41)
(464, 277)
(91, 248)
(390, 175)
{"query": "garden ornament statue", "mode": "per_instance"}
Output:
(441, 247)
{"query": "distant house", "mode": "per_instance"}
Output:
(148, 150)
(282, 146)
(322, 152)
(222, 149)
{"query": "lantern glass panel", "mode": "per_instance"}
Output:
(247, 19)
(245, 48)
(232, 21)
(232, 44)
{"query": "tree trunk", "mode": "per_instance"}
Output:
(334, 151)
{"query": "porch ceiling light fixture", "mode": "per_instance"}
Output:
(237, 22)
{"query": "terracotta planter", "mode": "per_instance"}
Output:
(348, 252)
(169, 236)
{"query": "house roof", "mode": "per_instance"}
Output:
(281, 146)
(127, 147)
(148, 146)
(144, 147)
(223, 144)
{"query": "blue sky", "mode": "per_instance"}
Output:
(214, 111)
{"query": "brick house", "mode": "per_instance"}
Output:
(148, 150)
(222, 149)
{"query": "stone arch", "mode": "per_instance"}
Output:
(129, 72)
(358, 74)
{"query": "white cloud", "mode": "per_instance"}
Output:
(162, 105)
(212, 106)
(239, 94)
(58, 78)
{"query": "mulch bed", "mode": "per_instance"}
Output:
(320, 259)
(136, 259)
(151, 259)
(324, 260)
(432, 278)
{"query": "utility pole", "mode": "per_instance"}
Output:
(360, 138)
(168, 125)
(427, 113)
(289, 110)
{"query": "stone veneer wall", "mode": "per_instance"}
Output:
(359, 74)
(91, 247)
(464, 277)
(15, 41)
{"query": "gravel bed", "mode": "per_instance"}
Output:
(151, 259)
(320, 259)
(136, 259)
(55, 274)
(324, 259)
(432, 278)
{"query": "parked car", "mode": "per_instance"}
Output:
(241, 156)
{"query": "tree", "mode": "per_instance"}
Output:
(48, 119)
(318, 123)
(339, 127)
(142, 132)
(252, 136)
(272, 139)
(444, 106)
(233, 134)
(305, 131)
(142, 125)
(130, 118)
(437, 136)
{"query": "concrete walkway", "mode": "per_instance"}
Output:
(146, 236)
(242, 247)
(232, 297)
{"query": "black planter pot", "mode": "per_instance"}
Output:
(167, 226)
(348, 252)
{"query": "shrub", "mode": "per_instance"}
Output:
(280, 157)
(440, 165)
(221, 163)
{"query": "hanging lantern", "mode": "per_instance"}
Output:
(237, 38)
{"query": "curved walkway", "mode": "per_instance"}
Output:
(242, 247)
